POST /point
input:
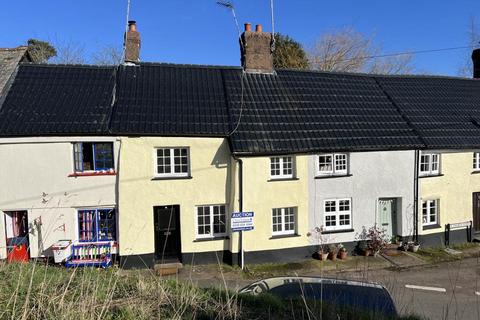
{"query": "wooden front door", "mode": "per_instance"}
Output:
(167, 233)
(476, 212)
(387, 215)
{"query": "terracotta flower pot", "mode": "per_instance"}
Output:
(342, 255)
(367, 252)
(332, 256)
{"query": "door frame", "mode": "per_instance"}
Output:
(157, 254)
(27, 236)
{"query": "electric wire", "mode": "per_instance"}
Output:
(126, 31)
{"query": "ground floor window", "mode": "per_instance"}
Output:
(211, 221)
(97, 225)
(430, 212)
(337, 214)
(283, 221)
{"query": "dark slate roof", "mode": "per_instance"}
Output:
(9, 59)
(286, 112)
(163, 99)
(311, 111)
(445, 112)
(58, 100)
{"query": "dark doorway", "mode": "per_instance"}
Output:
(476, 211)
(167, 233)
(16, 232)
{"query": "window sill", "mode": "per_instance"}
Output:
(282, 236)
(333, 176)
(476, 172)
(92, 174)
(338, 231)
(430, 175)
(212, 239)
(171, 178)
(432, 226)
(282, 179)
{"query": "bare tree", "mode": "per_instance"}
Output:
(350, 51)
(69, 52)
(108, 55)
(473, 33)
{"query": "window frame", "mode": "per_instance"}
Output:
(283, 223)
(97, 222)
(334, 162)
(170, 174)
(428, 208)
(212, 235)
(476, 161)
(430, 164)
(282, 167)
(78, 164)
(337, 214)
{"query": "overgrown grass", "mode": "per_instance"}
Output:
(39, 291)
(438, 254)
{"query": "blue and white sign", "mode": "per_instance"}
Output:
(241, 221)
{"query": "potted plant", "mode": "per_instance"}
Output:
(342, 252)
(321, 251)
(378, 240)
(332, 252)
(414, 246)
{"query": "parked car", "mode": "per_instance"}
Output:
(368, 297)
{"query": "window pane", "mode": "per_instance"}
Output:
(103, 156)
(87, 225)
(219, 225)
(277, 220)
(344, 205)
(330, 206)
(287, 166)
(87, 156)
(325, 163)
(341, 162)
(275, 166)
(78, 156)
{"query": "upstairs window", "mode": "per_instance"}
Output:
(476, 161)
(93, 156)
(172, 162)
(429, 164)
(430, 212)
(281, 167)
(332, 164)
(97, 225)
(337, 214)
(211, 221)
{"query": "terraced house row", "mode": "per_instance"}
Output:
(153, 158)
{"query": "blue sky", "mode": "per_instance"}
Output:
(201, 32)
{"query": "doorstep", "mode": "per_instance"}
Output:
(166, 269)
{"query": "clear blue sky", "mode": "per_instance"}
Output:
(201, 32)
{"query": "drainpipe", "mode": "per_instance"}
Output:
(415, 196)
(240, 208)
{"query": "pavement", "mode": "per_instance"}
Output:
(432, 290)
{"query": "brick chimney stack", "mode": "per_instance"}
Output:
(256, 50)
(476, 63)
(132, 43)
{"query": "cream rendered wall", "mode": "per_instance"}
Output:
(454, 189)
(210, 167)
(261, 196)
(34, 177)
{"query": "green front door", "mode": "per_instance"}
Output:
(387, 215)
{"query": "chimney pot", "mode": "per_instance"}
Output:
(248, 26)
(132, 25)
(476, 63)
(258, 28)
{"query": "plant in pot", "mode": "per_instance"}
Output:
(378, 239)
(320, 240)
(332, 252)
(413, 246)
(362, 243)
(342, 252)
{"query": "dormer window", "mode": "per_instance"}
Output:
(330, 164)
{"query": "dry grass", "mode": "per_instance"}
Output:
(40, 291)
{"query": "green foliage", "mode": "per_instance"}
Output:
(40, 51)
(288, 54)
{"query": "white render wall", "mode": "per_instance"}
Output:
(34, 176)
(374, 175)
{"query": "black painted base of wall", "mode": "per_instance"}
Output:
(438, 239)
(137, 261)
